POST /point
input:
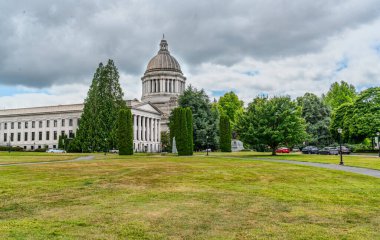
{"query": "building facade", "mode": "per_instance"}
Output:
(162, 83)
(39, 127)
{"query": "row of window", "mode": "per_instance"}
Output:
(32, 135)
(40, 124)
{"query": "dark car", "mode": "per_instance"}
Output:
(345, 150)
(329, 151)
(310, 150)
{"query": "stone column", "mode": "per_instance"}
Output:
(134, 127)
(158, 131)
(142, 128)
(138, 128)
(151, 129)
(148, 129)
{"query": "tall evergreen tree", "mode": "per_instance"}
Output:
(225, 134)
(179, 128)
(190, 134)
(125, 132)
(97, 130)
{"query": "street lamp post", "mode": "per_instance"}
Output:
(340, 146)
(207, 145)
(378, 142)
(105, 146)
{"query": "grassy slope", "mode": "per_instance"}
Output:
(153, 197)
(349, 160)
(18, 157)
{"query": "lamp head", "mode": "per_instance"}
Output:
(339, 130)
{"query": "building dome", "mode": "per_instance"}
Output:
(163, 61)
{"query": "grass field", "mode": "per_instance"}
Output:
(20, 157)
(168, 197)
(365, 161)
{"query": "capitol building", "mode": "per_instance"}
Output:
(162, 83)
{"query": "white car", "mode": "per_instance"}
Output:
(52, 150)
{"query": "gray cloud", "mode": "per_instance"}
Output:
(45, 43)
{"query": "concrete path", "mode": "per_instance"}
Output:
(85, 158)
(359, 170)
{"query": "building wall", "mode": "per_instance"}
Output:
(51, 122)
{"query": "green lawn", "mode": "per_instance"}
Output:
(18, 157)
(167, 197)
(365, 161)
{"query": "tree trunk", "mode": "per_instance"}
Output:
(273, 151)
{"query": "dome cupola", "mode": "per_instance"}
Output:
(163, 61)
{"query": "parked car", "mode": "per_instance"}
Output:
(114, 151)
(310, 150)
(52, 150)
(296, 149)
(282, 150)
(329, 151)
(345, 150)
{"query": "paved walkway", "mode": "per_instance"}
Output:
(85, 158)
(359, 170)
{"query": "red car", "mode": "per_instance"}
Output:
(282, 150)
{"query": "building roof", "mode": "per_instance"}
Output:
(163, 61)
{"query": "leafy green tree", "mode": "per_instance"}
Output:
(165, 141)
(98, 128)
(205, 118)
(317, 117)
(341, 119)
(225, 133)
(62, 142)
(230, 105)
(125, 132)
(273, 122)
(339, 94)
(365, 120)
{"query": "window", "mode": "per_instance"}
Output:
(32, 147)
(5, 126)
(5, 137)
(40, 124)
(24, 147)
(33, 136)
(78, 122)
(19, 125)
(70, 122)
(26, 125)
(18, 137)
(71, 134)
(55, 135)
(33, 124)
(47, 123)
(12, 136)
(62, 133)
(12, 125)
(54, 146)
(47, 135)
(40, 136)
(55, 123)
(63, 122)
(26, 136)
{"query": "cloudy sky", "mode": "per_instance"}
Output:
(49, 50)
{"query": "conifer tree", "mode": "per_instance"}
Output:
(189, 122)
(125, 132)
(225, 134)
(98, 127)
